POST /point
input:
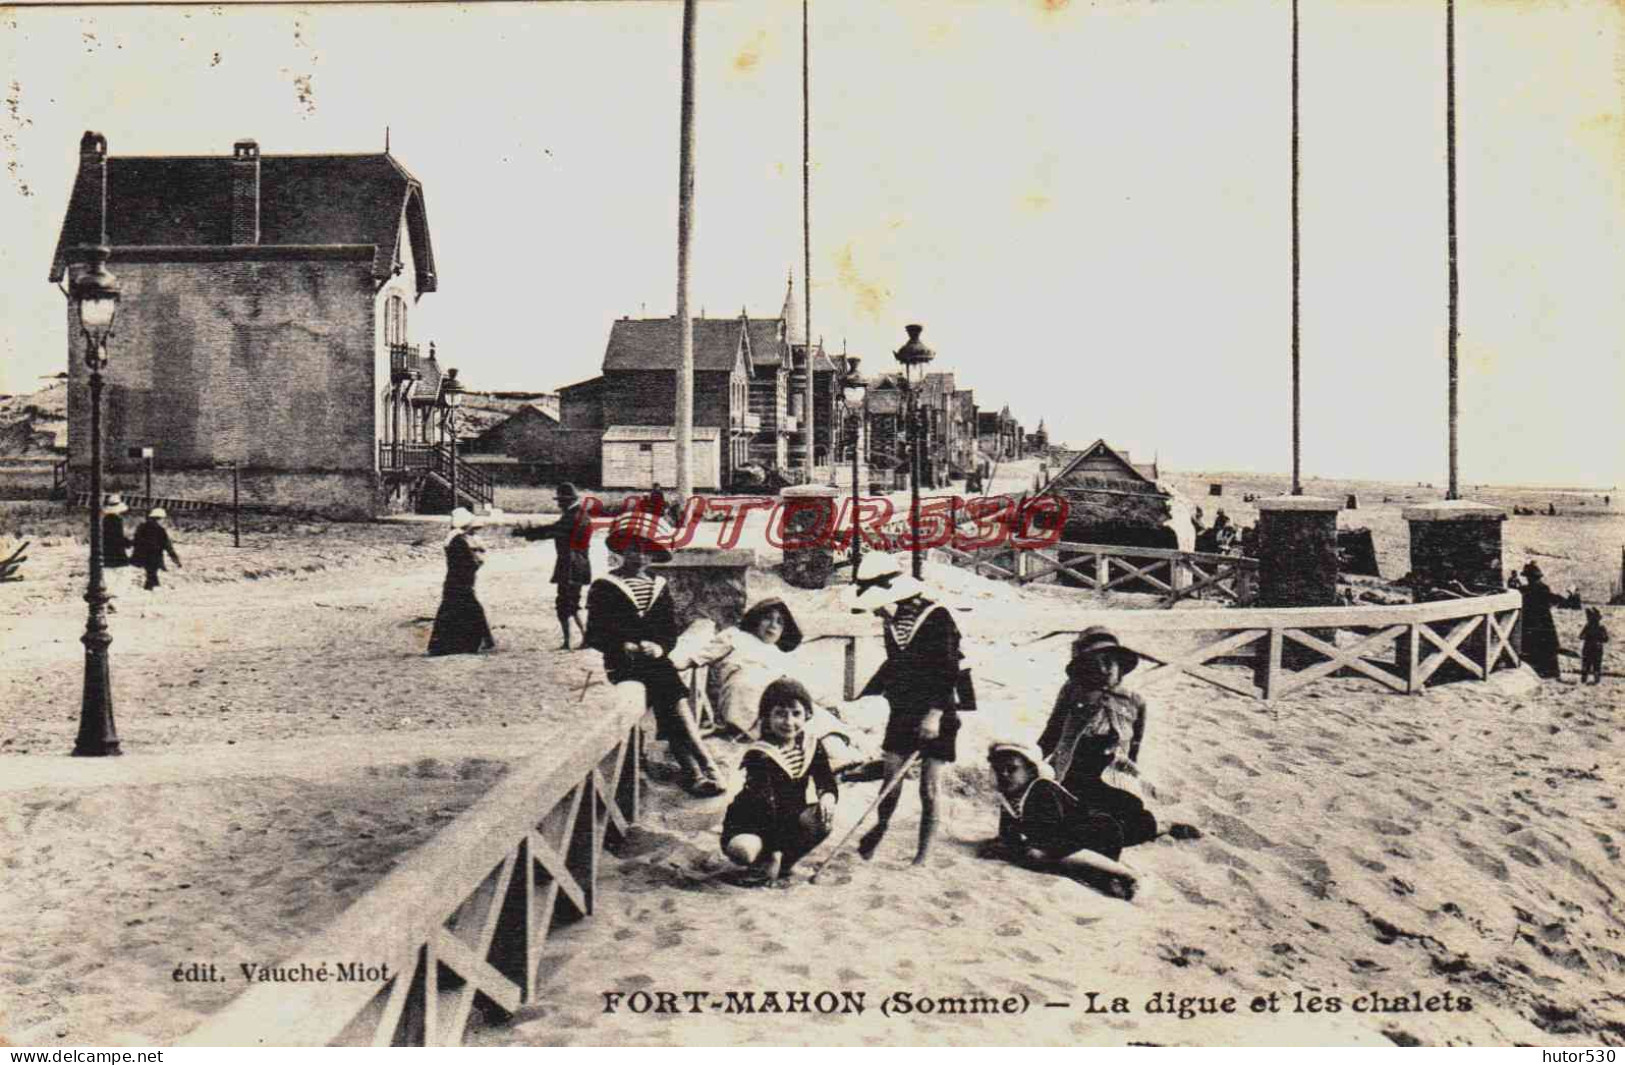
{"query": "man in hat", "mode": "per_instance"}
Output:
(572, 569)
(151, 544)
(1540, 647)
(1093, 735)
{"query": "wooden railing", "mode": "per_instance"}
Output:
(1272, 652)
(472, 481)
(404, 361)
(465, 915)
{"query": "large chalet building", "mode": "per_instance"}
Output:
(263, 322)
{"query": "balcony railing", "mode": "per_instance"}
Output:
(404, 361)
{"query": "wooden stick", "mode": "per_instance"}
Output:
(891, 786)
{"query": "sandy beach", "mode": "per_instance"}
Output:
(1462, 844)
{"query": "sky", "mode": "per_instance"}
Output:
(1085, 204)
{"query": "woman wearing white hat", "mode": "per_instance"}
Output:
(919, 680)
(460, 627)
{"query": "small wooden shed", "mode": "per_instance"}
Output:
(638, 456)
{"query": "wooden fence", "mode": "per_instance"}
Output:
(1281, 650)
(461, 921)
(1172, 575)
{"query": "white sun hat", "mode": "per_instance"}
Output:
(461, 517)
(882, 581)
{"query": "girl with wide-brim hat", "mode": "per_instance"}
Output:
(1093, 735)
(632, 620)
(919, 681)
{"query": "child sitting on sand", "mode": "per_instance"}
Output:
(1592, 637)
(1042, 826)
(787, 804)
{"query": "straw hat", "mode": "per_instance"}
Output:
(157, 512)
(654, 534)
(461, 517)
(1026, 751)
(113, 504)
(1099, 639)
(881, 582)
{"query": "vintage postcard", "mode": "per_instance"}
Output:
(838, 522)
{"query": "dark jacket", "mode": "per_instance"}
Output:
(150, 545)
(572, 565)
(613, 621)
(115, 545)
(921, 675)
(1109, 726)
(771, 799)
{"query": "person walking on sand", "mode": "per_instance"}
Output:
(919, 681)
(151, 544)
(787, 804)
(1540, 647)
(572, 568)
(632, 621)
(1092, 738)
(460, 627)
(1592, 637)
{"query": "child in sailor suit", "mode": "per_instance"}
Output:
(787, 804)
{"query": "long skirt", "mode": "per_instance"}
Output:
(460, 627)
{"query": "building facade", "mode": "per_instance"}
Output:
(263, 301)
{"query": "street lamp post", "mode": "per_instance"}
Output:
(913, 356)
(854, 388)
(95, 296)
(451, 397)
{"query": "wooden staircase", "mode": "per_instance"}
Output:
(428, 469)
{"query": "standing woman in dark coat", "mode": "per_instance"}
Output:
(919, 680)
(1540, 645)
(115, 545)
(460, 627)
(572, 569)
(631, 620)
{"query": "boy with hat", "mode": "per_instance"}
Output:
(632, 620)
(1041, 824)
(920, 681)
(572, 569)
(1093, 736)
(151, 544)
(115, 545)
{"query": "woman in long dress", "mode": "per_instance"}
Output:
(460, 627)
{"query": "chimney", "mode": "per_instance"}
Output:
(245, 192)
(91, 187)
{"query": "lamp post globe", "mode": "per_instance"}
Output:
(913, 356)
(94, 301)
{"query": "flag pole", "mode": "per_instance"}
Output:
(806, 232)
(685, 227)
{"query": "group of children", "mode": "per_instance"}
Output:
(1069, 803)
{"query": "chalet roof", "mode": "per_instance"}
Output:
(186, 201)
(821, 360)
(589, 384)
(1099, 461)
(651, 344)
(766, 343)
(427, 386)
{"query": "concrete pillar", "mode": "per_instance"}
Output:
(1456, 540)
(808, 530)
(1297, 551)
(707, 582)
(1296, 540)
